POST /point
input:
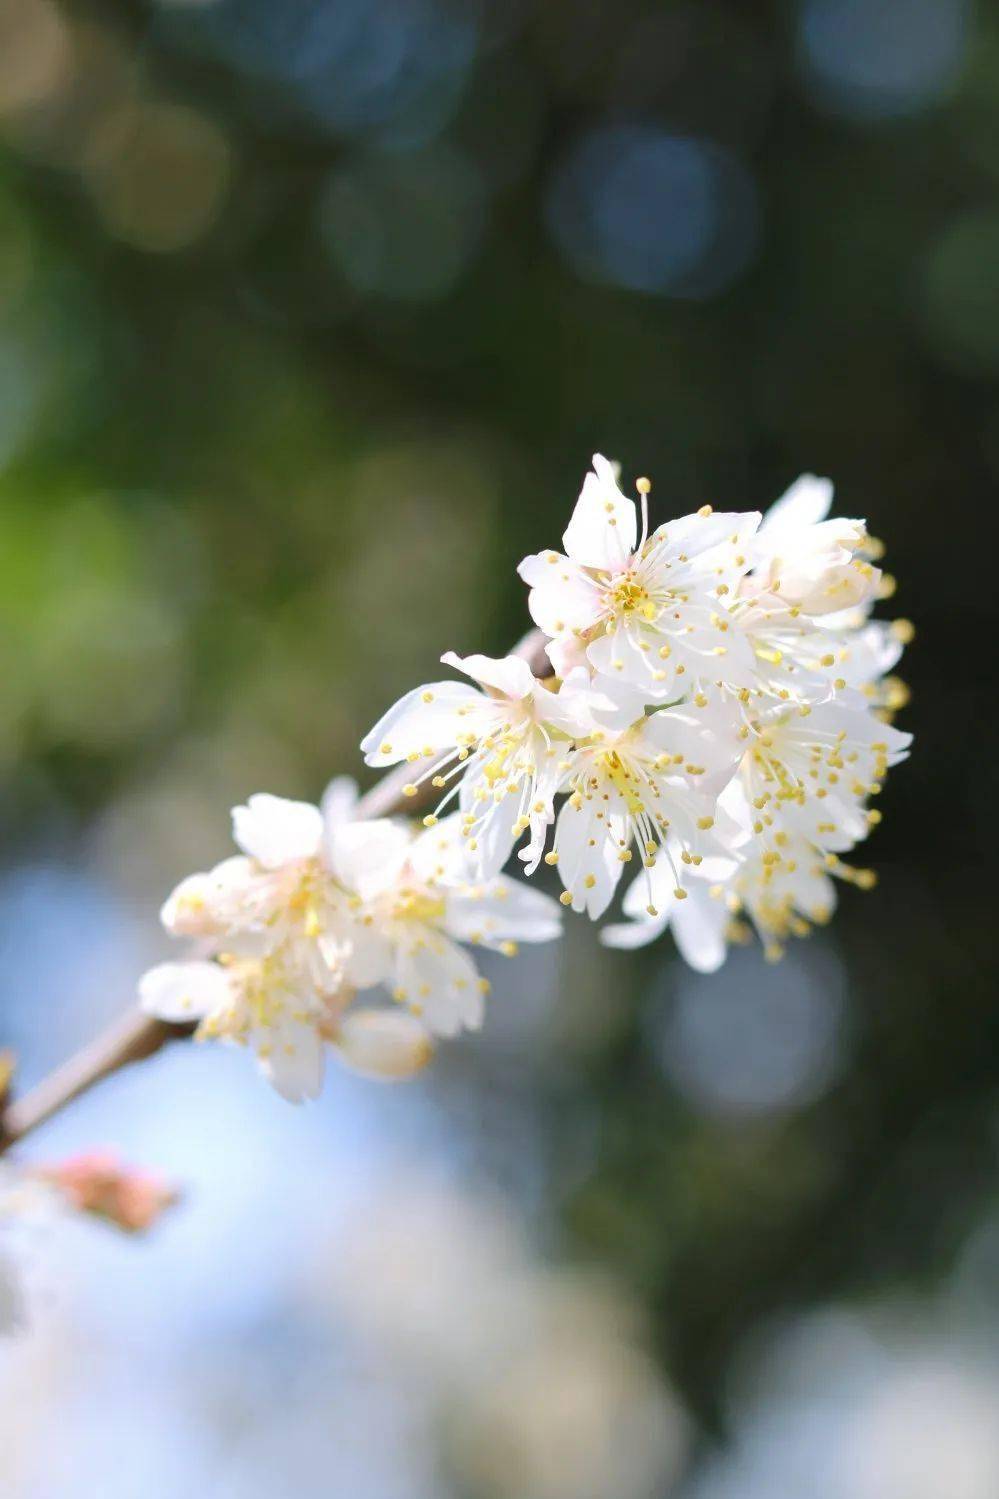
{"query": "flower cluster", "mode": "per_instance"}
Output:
(717, 716)
(320, 905)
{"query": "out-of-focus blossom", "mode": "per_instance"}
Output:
(28, 1205)
(320, 906)
(879, 1407)
(536, 1376)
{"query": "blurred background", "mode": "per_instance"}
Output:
(311, 315)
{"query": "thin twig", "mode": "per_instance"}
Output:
(135, 1036)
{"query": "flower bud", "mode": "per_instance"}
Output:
(96, 1182)
(386, 1045)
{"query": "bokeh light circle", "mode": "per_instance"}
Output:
(756, 1039)
(403, 226)
(875, 59)
(959, 293)
(663, 214)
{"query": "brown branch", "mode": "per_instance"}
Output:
(136, 1036)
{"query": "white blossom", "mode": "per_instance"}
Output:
(810, 560)
(265, 1003)
(501, 751)
(650, 610)
(319, 907)
(412, 928)
(651, 789)
(719, 717)
(810, 772)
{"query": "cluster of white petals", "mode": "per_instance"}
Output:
(319, 906)
(718, 717)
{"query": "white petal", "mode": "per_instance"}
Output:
(707, 737)
(366, 857)
(480, 853)
(438, 855)
(276, 831)
(371, 956)
(503, 910)
(511, 676)
(567, 654)
(567, 709)
(588, 862)
(184, 991)
(443, 981)
(805, 504)
(603, 530)
(339, 801)
(615, 704)
(699, 925)
(293, 1061)
(207, 905)
(702, 539)
(387, 1045)
(425, 721)
(562, 598)
(864, 655)
(628, 935)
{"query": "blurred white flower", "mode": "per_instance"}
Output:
(409, 932)
(28, 1207)
(536, 1376)
(886, 1407)
(320, 906)
(265, 1003)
